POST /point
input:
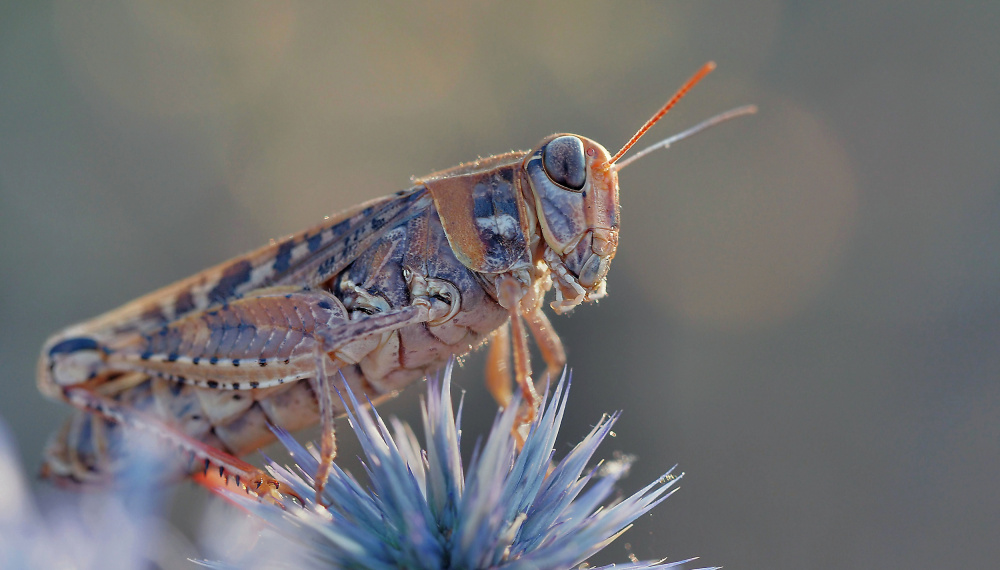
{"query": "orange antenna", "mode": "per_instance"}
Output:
(705, 70)
(665, 143)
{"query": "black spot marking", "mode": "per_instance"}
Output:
(315, 242)
(213, 360)
(254, 384)
(164, 331)
(181, 380)
(237, 397)
(184, 304)
(146, 355)
(377, 223)
(482, 202)
(175, 389)
(222, 470)
(236, 386)
(172, 357)
(207, 465)
(288, 296)
(73, 345)
(341, 227)
(235, 275)
(325, 267)
(153, 314)
(325, 305)
(287, 360)
(284, 256)
(196, 360)
(262, 362)
(212, 384)
(236, 362)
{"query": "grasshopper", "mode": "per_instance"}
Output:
(375, 298)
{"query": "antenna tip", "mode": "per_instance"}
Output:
(710, 65)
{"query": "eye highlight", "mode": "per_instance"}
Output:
(565, 162)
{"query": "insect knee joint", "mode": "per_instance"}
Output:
(74, 361)
(442, 297)
(359, 302)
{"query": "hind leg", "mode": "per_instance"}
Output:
(74, 370)
(245, 475)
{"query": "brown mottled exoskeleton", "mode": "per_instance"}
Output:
(381, 294)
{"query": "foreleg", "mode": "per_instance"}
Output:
(498, 378)
(548, 342)
(510, 293)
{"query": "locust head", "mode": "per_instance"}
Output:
(576, 203)
(574, 183)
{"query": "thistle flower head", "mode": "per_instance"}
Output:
(423, 510)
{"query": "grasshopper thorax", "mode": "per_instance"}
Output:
(575, 198)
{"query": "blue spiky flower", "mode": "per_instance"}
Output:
(422, 510)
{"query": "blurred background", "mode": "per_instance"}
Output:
(803, 313)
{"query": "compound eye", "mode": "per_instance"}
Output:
(565, 162)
